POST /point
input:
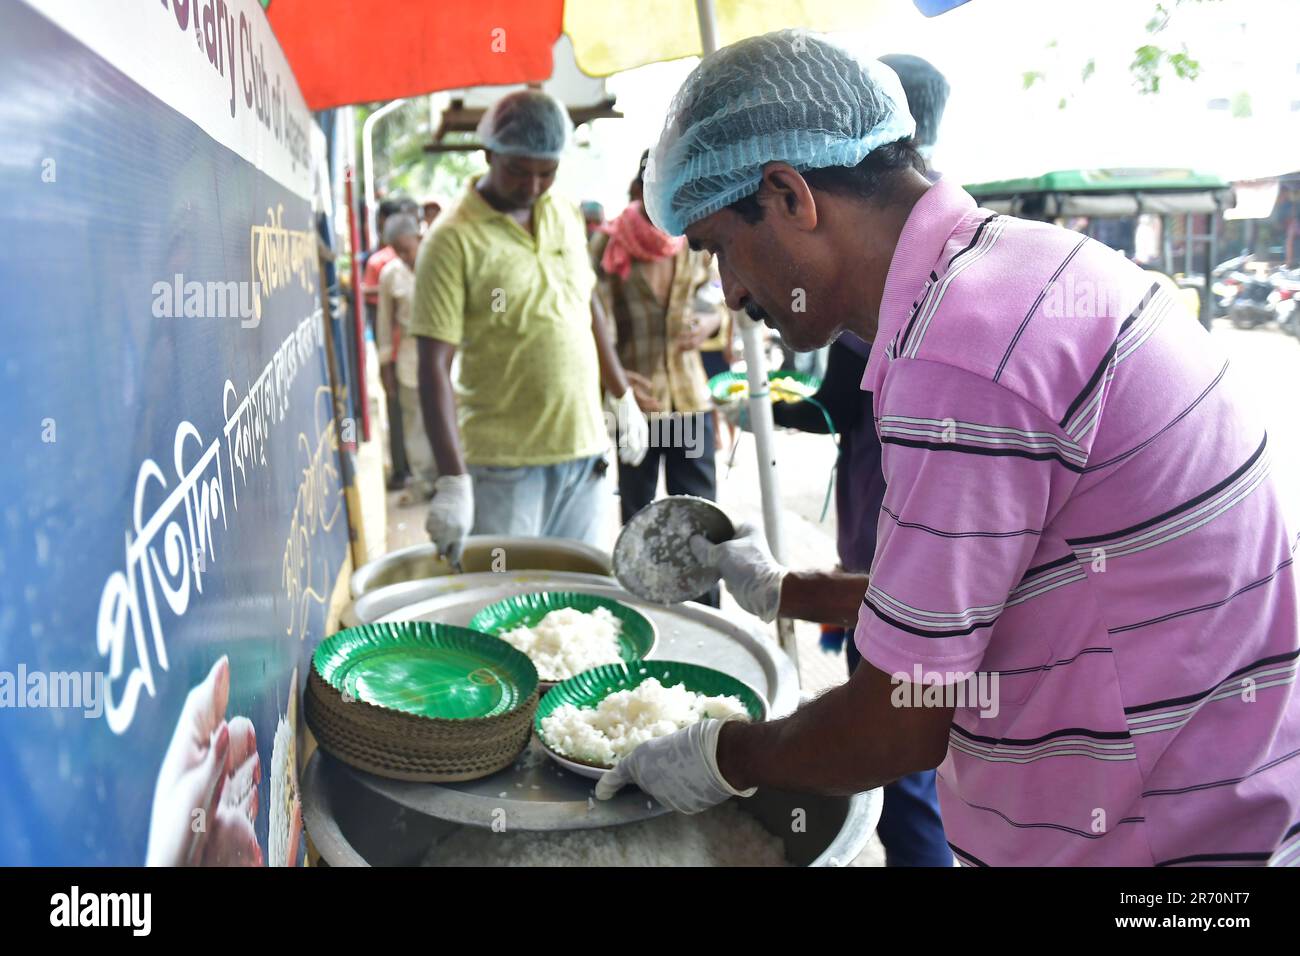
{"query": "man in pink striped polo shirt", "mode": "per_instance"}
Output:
(1083, 604)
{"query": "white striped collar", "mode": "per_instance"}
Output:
(928, 227)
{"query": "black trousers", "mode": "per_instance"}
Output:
(397, 439)
(684, 443)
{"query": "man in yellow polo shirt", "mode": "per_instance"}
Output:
(503, 282)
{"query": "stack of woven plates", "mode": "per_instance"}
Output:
(421, 701)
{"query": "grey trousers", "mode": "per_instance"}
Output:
(564, 500)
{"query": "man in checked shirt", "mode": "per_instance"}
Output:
(655, 291)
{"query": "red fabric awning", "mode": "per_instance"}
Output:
(362, 51)
(349, 51)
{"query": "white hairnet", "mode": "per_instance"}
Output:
(789, 96)
(527, 123)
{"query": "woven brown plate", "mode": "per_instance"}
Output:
(408, 768)
(466, 743)
(396, 759)
(386, 722)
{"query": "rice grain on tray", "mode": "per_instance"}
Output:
(611, 730)
(723, 836)
(568, 641)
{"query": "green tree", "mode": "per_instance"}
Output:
(1152, 63)
(403, 166)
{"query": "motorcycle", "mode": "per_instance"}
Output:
(1256, 301)
(1286, 298)
(1252, 305)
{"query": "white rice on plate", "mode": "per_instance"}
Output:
(611, 730)
(568, 641)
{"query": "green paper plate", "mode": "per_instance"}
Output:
(636, 638)
(430, 670)
(719, 384)
(591, 687)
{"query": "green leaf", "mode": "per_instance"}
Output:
(1185, 68)
(1148, 56)
(1146, 67)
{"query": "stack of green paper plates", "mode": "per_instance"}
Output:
(636, 637)
(421, 701)
(589, 688)
(430, 670)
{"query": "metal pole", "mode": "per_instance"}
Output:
(1166, 245)
(358, 313)
(708, 18)
(1211, 254)
(368, 159)
(760, 403)
(760, 417)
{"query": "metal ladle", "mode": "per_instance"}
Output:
(652, 557)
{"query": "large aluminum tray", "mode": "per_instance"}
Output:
(350, 825)
(421, 561)
(377, 604)
(538, 794)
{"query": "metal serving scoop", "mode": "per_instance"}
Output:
(652, 557)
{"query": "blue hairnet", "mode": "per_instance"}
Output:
(789, 96)
(527, 123)
(926, 90)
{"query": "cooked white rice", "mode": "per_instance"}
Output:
(284, 782)
(283, 795)
(611, 730)
(723, 836)
(568, 641)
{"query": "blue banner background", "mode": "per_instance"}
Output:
(139, 194)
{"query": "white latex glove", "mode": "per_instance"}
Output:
(753, 576)
(632, 431)
(451, 515)
(680, 770)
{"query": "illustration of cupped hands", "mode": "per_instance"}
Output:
(206, 798)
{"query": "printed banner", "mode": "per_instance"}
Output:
(173, 519)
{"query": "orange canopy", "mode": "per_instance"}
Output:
(349, 51)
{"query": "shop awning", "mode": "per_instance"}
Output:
(1106, 193)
